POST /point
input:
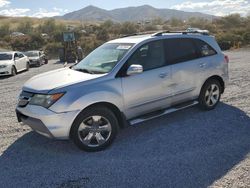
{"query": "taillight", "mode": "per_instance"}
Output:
(226, 58)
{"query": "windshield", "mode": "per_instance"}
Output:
(5, 56)
(31, 54)
(103, 59)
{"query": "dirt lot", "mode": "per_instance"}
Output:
(189, 148)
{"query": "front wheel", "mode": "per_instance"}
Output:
(13, 71)
(94, 129)
(27, 66)
(210, 95)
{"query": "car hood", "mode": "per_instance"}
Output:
(5, 62)
(59, 78)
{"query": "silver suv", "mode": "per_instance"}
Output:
(124, 81)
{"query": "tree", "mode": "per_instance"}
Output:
(128, 28)
(4, 30)
(25, 27)
(174, 22)
(49, 26)
(102, 34)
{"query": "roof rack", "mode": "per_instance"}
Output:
(129, 35)
(202, 32)
(141, 33)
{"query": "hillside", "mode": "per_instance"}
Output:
(146, 12)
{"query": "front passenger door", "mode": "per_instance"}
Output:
(146, 92)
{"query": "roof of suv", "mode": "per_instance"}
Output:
(135, 39)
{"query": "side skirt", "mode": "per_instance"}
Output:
(160, 113)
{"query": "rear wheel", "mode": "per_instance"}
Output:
(94, 129)
(210, 95)
(13, 71)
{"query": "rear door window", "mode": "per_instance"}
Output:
(180, 50)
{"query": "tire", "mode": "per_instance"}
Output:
(94, 129)
(210, 94)
(27, 66)
(13, 71)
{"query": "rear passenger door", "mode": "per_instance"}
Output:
(22, 61)
(182, 54)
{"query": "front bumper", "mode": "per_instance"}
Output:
(47, 122)
(5, 71)
(34, 63)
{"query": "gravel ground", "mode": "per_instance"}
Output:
(189, 148)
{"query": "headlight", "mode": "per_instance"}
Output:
(3, 66)
(45, 100)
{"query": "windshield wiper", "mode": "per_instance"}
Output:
(85, 71)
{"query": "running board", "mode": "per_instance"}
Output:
(162, 112)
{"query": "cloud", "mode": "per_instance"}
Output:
(4, 3)
(45, 13)
(216, 7)
(15, 12)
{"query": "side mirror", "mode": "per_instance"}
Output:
(134, 69)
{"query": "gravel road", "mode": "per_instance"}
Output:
(189, 148)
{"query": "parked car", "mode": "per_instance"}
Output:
(13, 62)
(125, 81)
(37, 58)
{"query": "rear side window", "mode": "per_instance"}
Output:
(180, 50)
(20, 55)
(204, 49)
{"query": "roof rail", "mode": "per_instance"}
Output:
(202, 32)
(129, 35)
(141, 33)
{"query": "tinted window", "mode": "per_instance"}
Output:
(20, 55)
(5, 56)
(180, 50)
(204, 49)
(150, 56)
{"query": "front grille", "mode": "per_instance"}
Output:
(24, 98)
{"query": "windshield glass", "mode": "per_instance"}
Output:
(103, 59)
(5, 56)
(31, 54)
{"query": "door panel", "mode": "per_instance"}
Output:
(17, 62)
(145, 92)
(149, 90)
(186, 78)
(22, 61)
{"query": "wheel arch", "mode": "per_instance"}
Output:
(219, 79)
(14, 66)
(120, 116)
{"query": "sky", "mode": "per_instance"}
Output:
(50, 8)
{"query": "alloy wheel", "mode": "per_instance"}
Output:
(212, 95)
(94, 131)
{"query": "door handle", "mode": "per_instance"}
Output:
(202, 65)
(163, 75)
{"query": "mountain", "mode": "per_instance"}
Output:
(145, 12)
